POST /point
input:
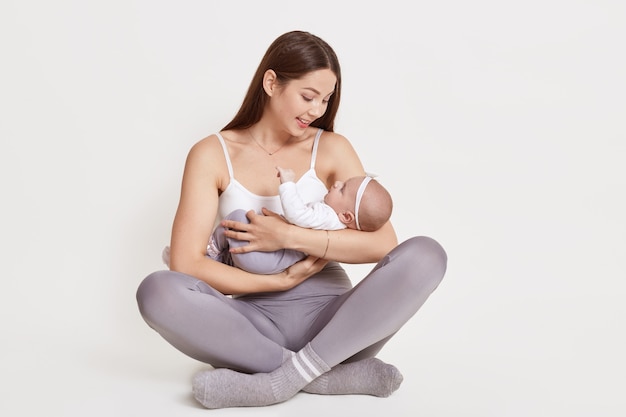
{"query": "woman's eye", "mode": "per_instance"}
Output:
(307, 99)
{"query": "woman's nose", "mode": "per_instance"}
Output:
(316, 109)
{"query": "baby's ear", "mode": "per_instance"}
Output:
(346, 217)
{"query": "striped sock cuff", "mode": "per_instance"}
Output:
(308, 364)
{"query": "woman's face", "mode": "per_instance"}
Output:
(299, 102)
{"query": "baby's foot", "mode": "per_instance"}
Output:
(165, 256)
(213, 251)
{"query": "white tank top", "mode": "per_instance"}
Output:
(236, 196)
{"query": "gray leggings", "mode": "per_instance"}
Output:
(342, 323)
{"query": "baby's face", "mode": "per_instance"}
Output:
(342, 195)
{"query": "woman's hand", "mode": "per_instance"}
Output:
(301, 271)
(266, 232)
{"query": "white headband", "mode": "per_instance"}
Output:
(359, 195)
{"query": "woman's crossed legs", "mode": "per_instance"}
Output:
(352, 327)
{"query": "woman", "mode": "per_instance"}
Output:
(306, 328)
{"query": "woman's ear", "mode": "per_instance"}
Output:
(269, 82)
(346, 217)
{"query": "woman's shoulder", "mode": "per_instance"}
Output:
(206, 152)
(334, 142)
(206, 162)
(337, 158)
(328, 135)
(206, 147)
(207, 142)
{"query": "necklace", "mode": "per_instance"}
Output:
(265, 150)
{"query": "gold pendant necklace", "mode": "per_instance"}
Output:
(261, 146)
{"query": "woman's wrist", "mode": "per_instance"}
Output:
(311, 241)
(283, 281)
(327, 245)
(291, 239)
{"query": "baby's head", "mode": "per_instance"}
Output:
(361, 203)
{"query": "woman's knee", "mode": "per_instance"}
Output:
(428, 255)
(152, 293)
(430, 248)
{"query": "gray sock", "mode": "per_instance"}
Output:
(221, 388)
(367, 377)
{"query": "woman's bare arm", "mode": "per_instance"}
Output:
(348, 246)
(268, 232)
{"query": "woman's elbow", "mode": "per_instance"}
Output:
(184, 263)
(387, 240)
(382, 248)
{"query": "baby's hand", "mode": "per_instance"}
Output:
(285, 175)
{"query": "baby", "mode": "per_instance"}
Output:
(346, 204)
(360, 203)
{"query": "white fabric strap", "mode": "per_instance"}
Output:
(359, 195)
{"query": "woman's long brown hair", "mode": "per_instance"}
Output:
(291, 56)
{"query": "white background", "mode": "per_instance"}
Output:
(498, 126)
